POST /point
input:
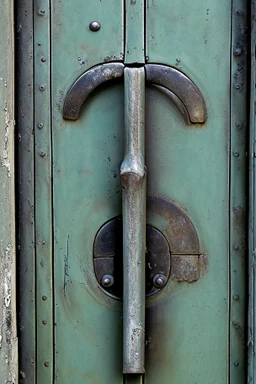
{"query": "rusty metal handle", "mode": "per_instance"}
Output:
(133, 178)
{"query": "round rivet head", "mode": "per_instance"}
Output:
(236, 154)
(94, 26)
(42, 88)
(159, 281)
(44, 322)
(46, 363)
(44, 298)
(40, 125)
(236, 364)
(107, 281)
(237, 52)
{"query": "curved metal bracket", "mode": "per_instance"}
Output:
(160, 75)
(181, 86)
(86, 83)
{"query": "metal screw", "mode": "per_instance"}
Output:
(43, 59)
(107, 281)
(94, 26)
(41, 12)
(42, 154)
(236, 364)
(44, 298)
(40, 125)
(42, 87)
(238, 86)
(236, 297)
(46, 363)
(237, 247)
(238, 12)
(236, 154)
(44, 322)
(159, 281)
(237, 52)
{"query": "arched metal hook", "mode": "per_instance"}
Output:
(170, 78)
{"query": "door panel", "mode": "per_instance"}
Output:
(187, 335)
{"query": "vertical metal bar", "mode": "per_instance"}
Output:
(43, 192)
(252, 205)
(238, 161)
(134, 31)
(133, 178)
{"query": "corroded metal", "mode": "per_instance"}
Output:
(181, 86)
(108, 257)
(86, 83)
(133, 178)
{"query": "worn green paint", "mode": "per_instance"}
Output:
(191, 166)
(187, 337)
(238, 177)
(43, 192)
(134, 31)
(25, 191)
(8, 333)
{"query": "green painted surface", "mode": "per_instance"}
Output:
(43, 193)
(134, 31)
(187, 335)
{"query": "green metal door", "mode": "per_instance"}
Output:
(190, 59)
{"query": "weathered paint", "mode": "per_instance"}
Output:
(238, 190)
(25, 191)
(8, 329)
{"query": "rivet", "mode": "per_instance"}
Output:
(237, 247)
(238, 12)
(236, 154)
(159, 281)
(238, 86)
(238, 125)
(94, 26)
(42, 154)
(147, 58)
(40, 125)
(43, 59)
(44, 322)
(42, 264)
(41, 12)
(236, 297)
(44, 298)
(237, 52)
(46, 363)
(236, 364)
(107, 281)
(42, 87)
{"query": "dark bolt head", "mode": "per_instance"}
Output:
(43, 59)
(41, 12)
(42, 154)
(107, 281)
(44, 298)
(46, 363)
(44, 322)
(236, 297)
(236, 154)
(237, 52)
(42, 87)
(94, 26)
(159, 281)
(236, 364)
(238, 86)
(40, 125)
(239, 12)
(237, 247)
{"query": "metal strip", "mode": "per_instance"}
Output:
(25, 183)
(133, 178)
(134, 32)
(43, 192)
(238, 190)
(252, 206)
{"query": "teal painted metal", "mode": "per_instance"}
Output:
(238, 190)
(184, 319)
(43, 193)
(133, 179)
(134, 31)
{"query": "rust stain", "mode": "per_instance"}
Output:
(185, 268)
